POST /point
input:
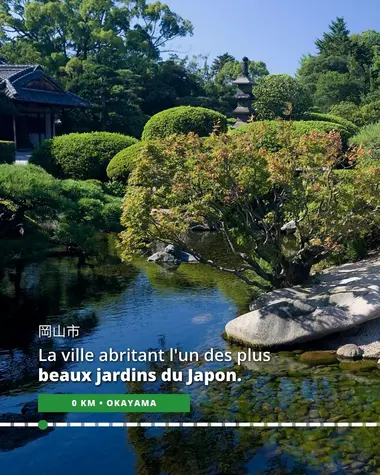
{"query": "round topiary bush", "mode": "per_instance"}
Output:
(123, 162)
(183, 120)
(80, 156)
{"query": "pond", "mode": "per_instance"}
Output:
(144, 307)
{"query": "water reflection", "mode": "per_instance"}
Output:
(143, 306)
(54, 292)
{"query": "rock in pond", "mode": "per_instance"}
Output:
(349, 352)
(343, 298)
(290, 227)
(172, 256)
(316, 358)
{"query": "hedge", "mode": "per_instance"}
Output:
(7, 152)
(80, 156)
(350, 126)
(182, 120)
(123, 162)
(268, 129)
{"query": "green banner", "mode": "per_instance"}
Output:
(113, 403)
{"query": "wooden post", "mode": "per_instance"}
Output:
(14, 131)
(48, 131)
(53, 123)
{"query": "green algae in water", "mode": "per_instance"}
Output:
(363, 365)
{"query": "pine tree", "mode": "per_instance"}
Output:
(337, 41)
(220, 61)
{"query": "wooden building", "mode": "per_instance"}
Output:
(37, 99)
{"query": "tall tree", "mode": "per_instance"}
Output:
(220, 61)
(336, 41)
(91, 29)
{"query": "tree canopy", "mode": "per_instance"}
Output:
(248, 192)
(346, 70)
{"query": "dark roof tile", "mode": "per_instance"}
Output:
(17, 76)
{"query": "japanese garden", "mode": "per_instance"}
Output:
(160, 199)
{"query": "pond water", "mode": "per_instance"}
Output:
(144, 307)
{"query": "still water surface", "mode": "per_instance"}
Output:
(144, 307)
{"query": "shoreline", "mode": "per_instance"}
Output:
(341, 307)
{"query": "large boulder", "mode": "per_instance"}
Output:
(343, 298)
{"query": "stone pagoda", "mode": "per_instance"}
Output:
(244, 96)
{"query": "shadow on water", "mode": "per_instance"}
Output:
(53, 292)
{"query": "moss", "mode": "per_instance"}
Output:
(316, 358)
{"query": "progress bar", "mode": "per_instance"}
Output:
(45, 425)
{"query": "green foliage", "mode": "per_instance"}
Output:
(123, 162)
(333, 87)
(104, 32)
(108, 52)
(349, 111)
(7, 152)
(371, 112)
(344, 73)
(267, 130)
(182, 120)
(75, 211)
(280, 96)
(29, 187)
(361, 115)
(337, 41)
(248, 190)
(347, 124)
(369, 138)
(80, 156)
(44, 157)
(113, 95)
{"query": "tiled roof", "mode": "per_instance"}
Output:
(17, 76)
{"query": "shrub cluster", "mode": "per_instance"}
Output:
(80, 156)
(369, 138)
(182, 120)
(7, 152)
(266, 131)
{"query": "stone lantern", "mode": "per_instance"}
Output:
(244, 96)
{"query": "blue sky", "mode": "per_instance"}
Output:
(277, 32)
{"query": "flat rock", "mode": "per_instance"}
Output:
(342, 298)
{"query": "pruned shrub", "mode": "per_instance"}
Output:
(182, 120)
(123, 163)
(347, 124)
(7, 152)
(80, 156)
